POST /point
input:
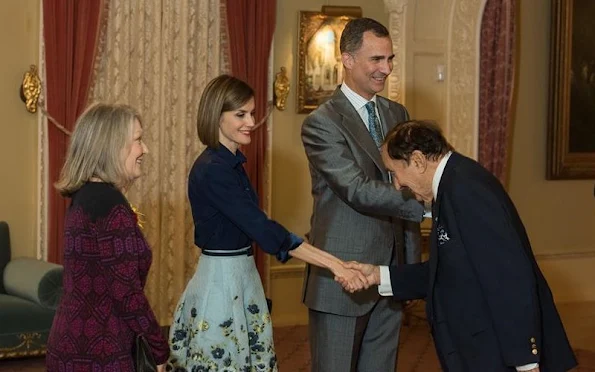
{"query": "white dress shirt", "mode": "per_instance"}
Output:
(385, 288)
(359, 103)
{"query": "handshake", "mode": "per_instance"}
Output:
(355, 276)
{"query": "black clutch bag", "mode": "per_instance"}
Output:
(270, 305)
(143, 358)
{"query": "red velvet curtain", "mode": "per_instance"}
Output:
(496, 84)
(70, 31)
(251, 26)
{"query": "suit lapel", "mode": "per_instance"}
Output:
(353, 124)
(453, 162)
(385, 115)
(434, 256)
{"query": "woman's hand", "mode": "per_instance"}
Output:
(161, 368)
(351, 280)
(370, 272)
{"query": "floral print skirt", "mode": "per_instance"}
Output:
(222, 322)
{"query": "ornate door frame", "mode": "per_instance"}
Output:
(462, 67)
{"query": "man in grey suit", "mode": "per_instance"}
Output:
(358, 214)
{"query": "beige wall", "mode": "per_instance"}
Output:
(559, 215)
(426, 40)
(19, 41)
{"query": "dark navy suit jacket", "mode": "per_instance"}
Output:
(488, 304)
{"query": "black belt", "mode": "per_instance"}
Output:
(246, 251)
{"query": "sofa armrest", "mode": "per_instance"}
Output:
(34, 280)
(4, 251)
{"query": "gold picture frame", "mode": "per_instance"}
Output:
(320, 69)
(571, 127)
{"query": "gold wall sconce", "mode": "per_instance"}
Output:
(31, 89)
(281, 90)
(320, 68)
(30, 92)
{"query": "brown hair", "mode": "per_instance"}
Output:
(422, 135)
(223, 93)
(353, 34)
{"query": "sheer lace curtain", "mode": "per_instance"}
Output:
(158, 55)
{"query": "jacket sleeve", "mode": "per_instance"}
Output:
(235, 204)
(410, 282)
(118, 246)
(412, 232)
(502, 267)
(329, 154)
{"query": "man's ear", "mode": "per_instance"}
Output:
(419, 160)
(347, 60)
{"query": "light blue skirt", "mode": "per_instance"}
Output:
(222, 322)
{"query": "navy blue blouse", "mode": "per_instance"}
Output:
(225, 207)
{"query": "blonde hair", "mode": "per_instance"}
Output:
(100, 136)
(223, 93)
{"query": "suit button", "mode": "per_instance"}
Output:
(534, 351)
(532, 340)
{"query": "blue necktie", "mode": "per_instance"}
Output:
(374, 124)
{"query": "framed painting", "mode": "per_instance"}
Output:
(571, 127)
(320, 69)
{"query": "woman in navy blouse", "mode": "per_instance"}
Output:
(222, 321)
(106, 257)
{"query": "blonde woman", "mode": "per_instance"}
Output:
(106, 257)
(222, 322)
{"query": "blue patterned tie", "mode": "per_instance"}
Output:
(374, 124)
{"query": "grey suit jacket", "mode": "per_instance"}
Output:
(357, 214)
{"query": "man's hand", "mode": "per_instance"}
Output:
(161, 368)
(352, 280)
(370, 274)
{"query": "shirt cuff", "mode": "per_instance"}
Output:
(527, 367)
(427, 210)
(291, 242)
(385, 288)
